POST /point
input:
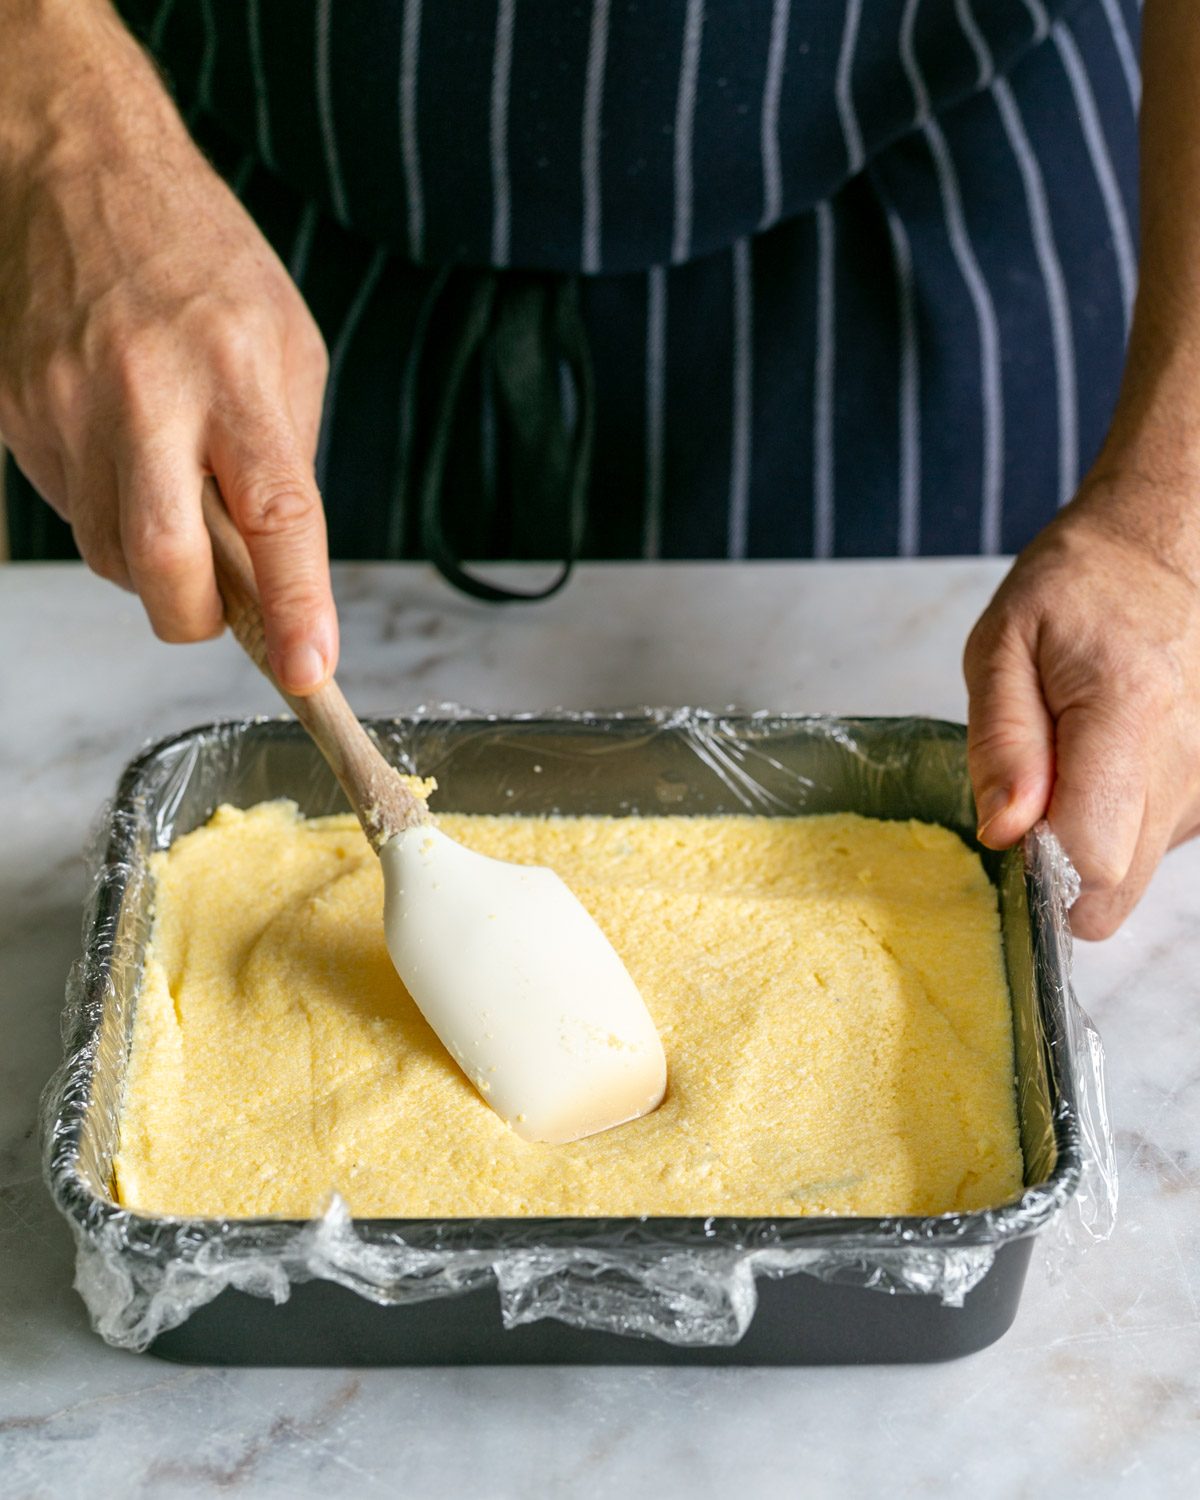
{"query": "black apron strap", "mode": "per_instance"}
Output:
(527, 330)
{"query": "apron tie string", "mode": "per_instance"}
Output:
(524, 333)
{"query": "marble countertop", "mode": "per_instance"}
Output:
(1095, 1391)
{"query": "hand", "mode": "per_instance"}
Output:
(148, 337)
(1084, 680)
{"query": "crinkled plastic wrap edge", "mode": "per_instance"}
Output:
(1093, 1215)
(140, 1276)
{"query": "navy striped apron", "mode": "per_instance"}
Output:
(853, 277)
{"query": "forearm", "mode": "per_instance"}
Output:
(1156, 429)
(75, 87)
(89, 140)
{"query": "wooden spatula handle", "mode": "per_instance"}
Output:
(382, 802)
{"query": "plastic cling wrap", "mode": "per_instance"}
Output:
(680, 1280)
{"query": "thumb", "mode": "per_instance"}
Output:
(1010, 736)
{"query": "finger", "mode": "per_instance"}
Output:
(1187, 819)
(1098, 915)
(92, 506)
(1010, 737)
(1099, 802)
(166, 543)
(307, 370)
(1185, 832)
(305, 399)
(271, 494)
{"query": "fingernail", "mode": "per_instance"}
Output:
(303, 668)
(990, 805)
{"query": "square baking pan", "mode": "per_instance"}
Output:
(847, 1309)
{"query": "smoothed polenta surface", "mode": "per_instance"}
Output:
(829, 991)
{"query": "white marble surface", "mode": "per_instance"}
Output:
(1095, 1391)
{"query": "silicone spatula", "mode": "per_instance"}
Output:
(513, 974)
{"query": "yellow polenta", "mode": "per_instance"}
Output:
(829, 991)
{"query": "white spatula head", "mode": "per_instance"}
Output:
(521, 985)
